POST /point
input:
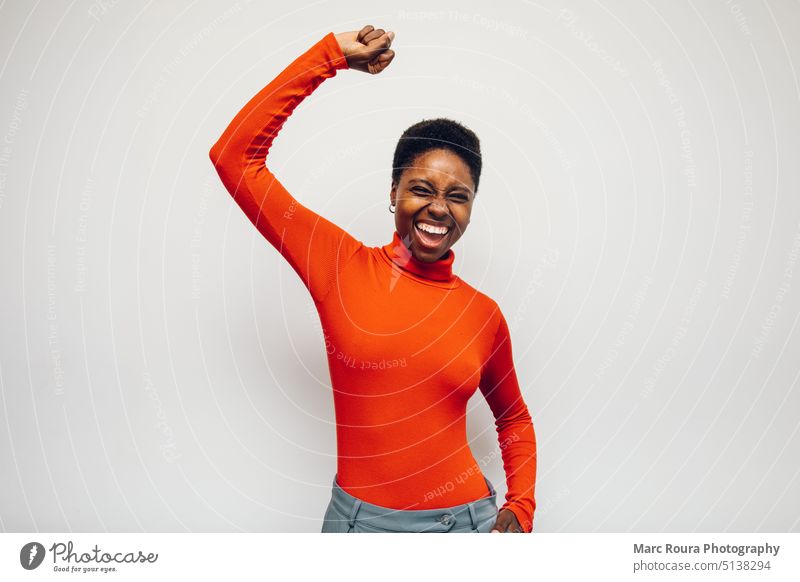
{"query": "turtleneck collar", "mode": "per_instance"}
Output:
(440, 270)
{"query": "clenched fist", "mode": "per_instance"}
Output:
(367, 49)
(506, 523)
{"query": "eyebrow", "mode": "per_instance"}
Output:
(424, 181)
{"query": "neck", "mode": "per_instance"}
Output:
(438, 270)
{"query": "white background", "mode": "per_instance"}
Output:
(638, 220)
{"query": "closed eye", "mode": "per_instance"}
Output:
(460, 197)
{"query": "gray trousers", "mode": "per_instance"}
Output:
(348, 514)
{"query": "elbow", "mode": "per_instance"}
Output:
(225, 166)
(225, 159)
(215, 154)
(224, 150)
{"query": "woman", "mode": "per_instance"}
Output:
(408, 342)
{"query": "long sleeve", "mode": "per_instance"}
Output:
(514, 427)
(316, 248)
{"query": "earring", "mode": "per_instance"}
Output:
(391, 207)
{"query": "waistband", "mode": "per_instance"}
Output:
(466, 517)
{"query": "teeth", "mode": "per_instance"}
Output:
(432, 229)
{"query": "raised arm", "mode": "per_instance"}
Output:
(316, 248)
(514, 428)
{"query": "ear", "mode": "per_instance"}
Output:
(393, 194)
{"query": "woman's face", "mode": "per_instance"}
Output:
(434, 193)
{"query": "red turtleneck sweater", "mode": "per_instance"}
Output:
(408, 342)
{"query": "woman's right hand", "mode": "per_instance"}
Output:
(367, 49)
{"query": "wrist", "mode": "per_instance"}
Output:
(337, 58)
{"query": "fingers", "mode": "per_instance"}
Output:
(509, 530)
(384, 58)
(382, 55)
(372, 35)
(506, 523)
(361, 33)
(375, 38)
(379, 47)
(382, 61)
(374, 55)
(384, 40)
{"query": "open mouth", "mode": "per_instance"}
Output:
(430, 235)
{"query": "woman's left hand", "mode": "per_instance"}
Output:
(506, 522)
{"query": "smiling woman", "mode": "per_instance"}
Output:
(436, 170)
(404, 463)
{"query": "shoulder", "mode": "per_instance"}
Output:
(481, 302)
(477, 295)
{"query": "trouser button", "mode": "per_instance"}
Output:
(445, 518)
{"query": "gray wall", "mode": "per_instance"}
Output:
(638, 220)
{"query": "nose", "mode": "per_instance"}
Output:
(438, 208)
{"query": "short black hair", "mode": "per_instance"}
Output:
(437, 134)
